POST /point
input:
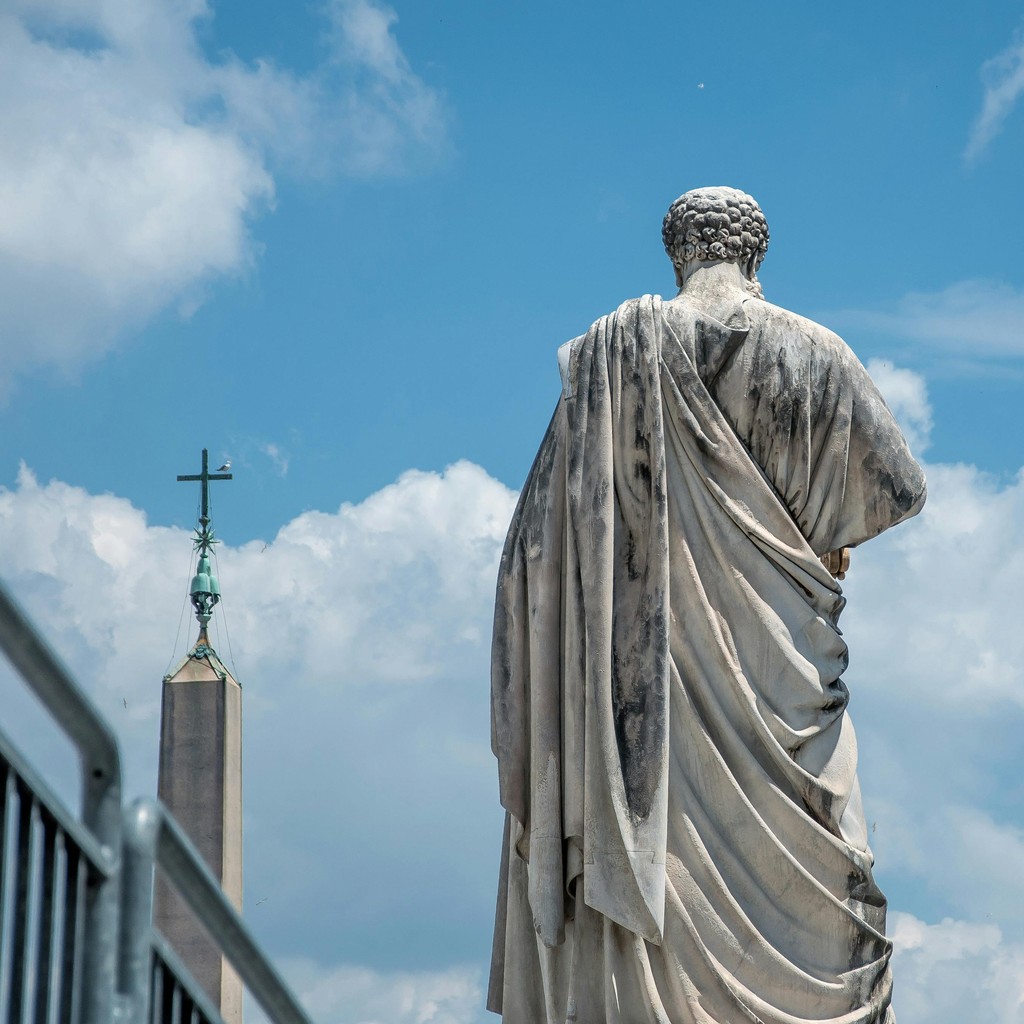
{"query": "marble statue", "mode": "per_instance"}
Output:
(685, 841)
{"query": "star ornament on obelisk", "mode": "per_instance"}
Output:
(200, 778)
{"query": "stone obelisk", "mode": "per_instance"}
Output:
(200, 778)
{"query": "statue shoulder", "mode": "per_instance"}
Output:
(777, 323)
(799, 353)
(777, 318)
(608, 328)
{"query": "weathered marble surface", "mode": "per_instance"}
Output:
(684, 837)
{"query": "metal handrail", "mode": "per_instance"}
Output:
(79, 834)
(154, 838)
(100, 763)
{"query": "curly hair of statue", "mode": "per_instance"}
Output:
(716, 224)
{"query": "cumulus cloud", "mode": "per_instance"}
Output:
(132, 166)
(396, 590)
(955, 971)
(389, 590)
(933, 603)
(975, 319)
(958, 858)
(1003, 78)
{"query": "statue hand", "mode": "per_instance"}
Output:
(837, 562)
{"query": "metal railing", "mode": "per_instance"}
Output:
(53, 874)
(59, 874)
(77, 942)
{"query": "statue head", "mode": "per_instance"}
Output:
(710, 224)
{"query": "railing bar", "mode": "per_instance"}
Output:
(74, 933)
(3, 797)
(67, 907)
(157, 1000)
(67, 939)
(135, 955)
(47, 921)
(33, 907)
(6, 793)
(176, 1003)
(58, 981)
(23, 866)
(8, 880)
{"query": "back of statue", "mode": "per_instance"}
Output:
(684, 836)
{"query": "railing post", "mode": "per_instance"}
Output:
(135, 957)
(101, 812)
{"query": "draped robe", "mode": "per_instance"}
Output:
(684, 837)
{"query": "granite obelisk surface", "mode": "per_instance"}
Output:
(200, 778)
(201, 784)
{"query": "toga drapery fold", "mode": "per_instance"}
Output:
(684, 836)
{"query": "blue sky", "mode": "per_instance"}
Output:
(340, 243)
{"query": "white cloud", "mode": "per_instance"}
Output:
(389, 590)
(934, 603)
(395, 114)
(973, 319)
(395, 590)
(132, 166)
(955, 971)
(356, 995)
(964, 861)
(112, 201)
(1003, 77)
(278, 456)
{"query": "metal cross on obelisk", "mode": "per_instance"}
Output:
(205, 591)
(206, 476)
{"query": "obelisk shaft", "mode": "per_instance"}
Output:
(201, 784)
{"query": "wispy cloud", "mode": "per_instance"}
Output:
(394, 117)
(278, 456)
(976, 319)
(1003, 77)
